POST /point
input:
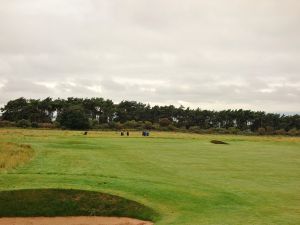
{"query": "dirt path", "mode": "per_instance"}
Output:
(80, 220)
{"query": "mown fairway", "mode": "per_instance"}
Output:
(184, 177)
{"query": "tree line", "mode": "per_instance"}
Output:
(84, 113)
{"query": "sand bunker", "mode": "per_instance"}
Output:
(78, 220)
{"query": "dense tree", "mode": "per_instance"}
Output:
(76, 113)
(74, 118)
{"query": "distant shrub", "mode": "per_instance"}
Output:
(261, 131)
(245, 132)
(148, 125)
(269, 130)
(155, 126)
(47, 125)
(163, 129)
(118, 126)
(5, 123)
(56, 124)
(140, 125)
(233, 130)
(202, 131)
(131, 124)
(171, 127)
(280, 132)
(164, 122)
(221, 131)
(293, 132)
(23, 123)
(34, 125)
(102, 126)
(93, 123)
(195, 129)
(209, 131)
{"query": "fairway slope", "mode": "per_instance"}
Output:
(186, 179)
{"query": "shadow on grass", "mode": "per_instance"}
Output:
(64, 202)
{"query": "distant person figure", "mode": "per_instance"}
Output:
(145, 133)
(122, 133)
(127, 133)
(85, 133)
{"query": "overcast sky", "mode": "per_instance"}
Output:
(215, 54)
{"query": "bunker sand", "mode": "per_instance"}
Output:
(78, 220)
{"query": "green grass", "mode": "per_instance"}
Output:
(183, 177)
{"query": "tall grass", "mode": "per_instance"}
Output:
(13, 155)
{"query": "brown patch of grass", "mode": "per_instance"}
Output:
(13, 155)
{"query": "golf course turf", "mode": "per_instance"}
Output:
(181, 179)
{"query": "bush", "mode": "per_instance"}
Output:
(261, 131)
(245, 132)
(103, 126)
(155, 126)
(34, 125)
(280, 132)
(23, 123)
(131, 124)
(293, 132)
(269, 130)
(93, 123)
(117, 125)
(208, 131)
(164, 122)
(163, 128)
(233, 130)
(47, 125)
(171, 127)
(195, 129)
(140, 125)
(221, 131)
(5, 123)
(148, 125)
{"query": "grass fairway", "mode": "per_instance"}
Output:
(184, 177)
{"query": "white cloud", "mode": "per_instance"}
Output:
(212, 54)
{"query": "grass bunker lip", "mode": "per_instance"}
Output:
(69, 202)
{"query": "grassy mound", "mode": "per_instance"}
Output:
(63, 202)
(13, 155)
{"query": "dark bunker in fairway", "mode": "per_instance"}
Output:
(217, 142)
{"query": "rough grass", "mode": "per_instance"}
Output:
(184, 177)
(60, 202)
(13, 155)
